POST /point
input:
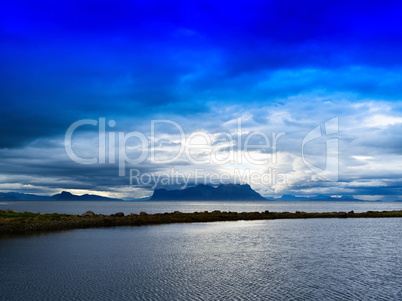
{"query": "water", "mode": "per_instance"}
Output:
(160, 207)
(312, 259)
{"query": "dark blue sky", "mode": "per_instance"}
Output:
(279, 65)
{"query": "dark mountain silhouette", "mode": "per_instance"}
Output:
(16, 196)
(224, 192)
(64, 196)
(67, 196)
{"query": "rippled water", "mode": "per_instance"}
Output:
(312, 259)
(160, 207)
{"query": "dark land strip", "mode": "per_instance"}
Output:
(26, 222)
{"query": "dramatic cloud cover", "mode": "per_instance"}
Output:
(280, 68)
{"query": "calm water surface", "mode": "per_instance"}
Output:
(312, 259)
(78, 207)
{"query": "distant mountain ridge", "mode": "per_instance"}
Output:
(287, 197)
(67, 196)
(224, 192)
(16, 196)
(63, 196)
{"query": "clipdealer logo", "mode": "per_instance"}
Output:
(201, 148)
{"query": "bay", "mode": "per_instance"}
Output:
(109, 207)
(312, 259)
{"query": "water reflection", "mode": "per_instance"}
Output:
(327, 259)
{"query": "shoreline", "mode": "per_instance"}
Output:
(12, 222)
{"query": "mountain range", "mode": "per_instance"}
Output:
(227, 192)
(322, 197)
(224, 192)
(63, 196)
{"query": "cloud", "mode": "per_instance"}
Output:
(363, 167)
(279, 66)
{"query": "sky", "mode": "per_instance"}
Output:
(201, 92)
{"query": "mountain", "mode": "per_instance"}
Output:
(67, 196)
(224, 192)
(15, 196)
(64, 196)
(321, 197)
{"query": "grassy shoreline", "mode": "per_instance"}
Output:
(26, 222)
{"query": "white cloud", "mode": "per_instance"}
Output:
(365, 161)
(381, 120)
